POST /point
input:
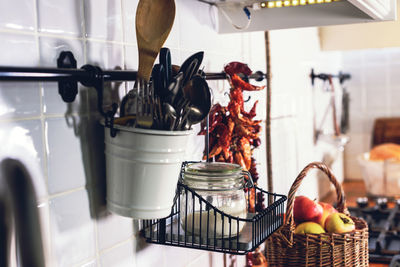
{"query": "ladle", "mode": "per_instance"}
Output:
(199, 96)
(192, 116)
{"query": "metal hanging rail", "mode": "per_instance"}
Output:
(68, 72)
(27, 74)
(32, 74)
(325, 76)
(68, 75)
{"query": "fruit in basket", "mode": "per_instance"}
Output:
(306, 210)
(309, 228)
(339, 223)
(328, 209)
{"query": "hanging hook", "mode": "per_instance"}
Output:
(248, 99)
(96, 80)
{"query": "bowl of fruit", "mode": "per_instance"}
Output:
(317, 234)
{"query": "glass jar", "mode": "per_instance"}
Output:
(221, 185)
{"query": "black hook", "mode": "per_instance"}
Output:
(245, 101)
(343, 77)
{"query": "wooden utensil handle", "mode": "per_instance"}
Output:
(341, 201)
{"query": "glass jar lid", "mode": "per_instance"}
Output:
(214, 176)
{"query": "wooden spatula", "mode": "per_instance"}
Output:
(154, 20)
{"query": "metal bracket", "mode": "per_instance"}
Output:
(97, 81)
(67, 89)
(324, 76)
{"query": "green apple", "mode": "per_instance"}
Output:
(339, 223)
(309, 228)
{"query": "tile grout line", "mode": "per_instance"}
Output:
(84, 39)
(45, 116)
(68, 37)
(43, 134)
(124, 41)
(117, 245)
(66, 192)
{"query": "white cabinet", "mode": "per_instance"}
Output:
(284, 14)
(361, 36)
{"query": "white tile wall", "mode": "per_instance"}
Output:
(122, 255)
(64, 160)
(18, 16)
(19, 100)
(64, 143)
(72, 230)
(374, 91)
(50, 48)
(63, 17)
(103, 19)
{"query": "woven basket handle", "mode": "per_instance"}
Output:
(341, 202)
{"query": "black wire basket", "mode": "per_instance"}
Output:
(255, 228)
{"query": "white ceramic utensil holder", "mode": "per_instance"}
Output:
(142, 170)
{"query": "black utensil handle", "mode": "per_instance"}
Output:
(165, 61)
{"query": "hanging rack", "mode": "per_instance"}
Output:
(68, 75)
(325, 76)
(340, 139)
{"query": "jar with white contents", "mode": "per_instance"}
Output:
(221, 185)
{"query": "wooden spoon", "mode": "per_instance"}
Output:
(154, 20)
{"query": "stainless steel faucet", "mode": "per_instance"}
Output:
(18, 208)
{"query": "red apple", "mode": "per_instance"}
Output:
(328, 209)
(339, 223)
(309, 228)
(305, 209)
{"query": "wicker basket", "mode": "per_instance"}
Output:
(285, 248)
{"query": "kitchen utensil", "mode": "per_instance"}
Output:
(158, 114)
(165, 61)
(190, 66)
(333, 103)
(145, 111)
(154, 20)
(158, 80)
(345, 116)
(125, 120)
(128, 104)
(170, 116)
(151, 34)
(199, 95)
(192, 115)
(173, 88)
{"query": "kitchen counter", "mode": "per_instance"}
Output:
(352, 190)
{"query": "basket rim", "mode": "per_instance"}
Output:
(341, 199)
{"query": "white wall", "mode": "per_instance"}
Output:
(62, 144)
(294, 53)
(374, 91)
